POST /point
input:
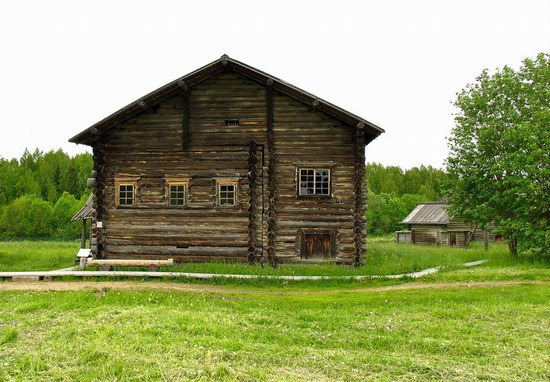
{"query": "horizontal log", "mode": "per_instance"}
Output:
(130, 262)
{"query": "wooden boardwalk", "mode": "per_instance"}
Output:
(50, 275)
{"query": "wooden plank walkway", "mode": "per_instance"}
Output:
(50, 275)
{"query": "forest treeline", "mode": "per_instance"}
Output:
(41, 191)
(394, 192)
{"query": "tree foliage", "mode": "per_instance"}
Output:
(40, 192)
(499, 162)
(394, 193)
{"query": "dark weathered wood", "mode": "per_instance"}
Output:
(83, 234)
(269, 213)
(146, 107)
(186, 115)
(271, 178)
(99, 191)
(253, 200)
(359, 186)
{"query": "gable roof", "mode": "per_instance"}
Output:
(218, 66)
(86, 211)
(428, 213)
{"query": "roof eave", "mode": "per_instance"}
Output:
(86, 137)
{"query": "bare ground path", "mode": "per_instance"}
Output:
(45, 286)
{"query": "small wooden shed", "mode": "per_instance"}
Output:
(430, 223)
(85, 214)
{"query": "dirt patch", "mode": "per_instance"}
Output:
(201, 288)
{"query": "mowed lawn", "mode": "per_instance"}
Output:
(488, 323)
(449, 332)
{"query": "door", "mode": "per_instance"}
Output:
(317, 246)
(452, 239)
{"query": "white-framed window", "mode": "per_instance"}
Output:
(227, 194)
(177, 194)
(314, 181)
(126, 189)
(126, 194)
(227, 191)
(176, 191)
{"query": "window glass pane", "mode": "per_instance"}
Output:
(227, 194)
(307, 178)
(177, 195)
(314, 182)
(126, 195)
(322, 182)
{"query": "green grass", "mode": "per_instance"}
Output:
(37, 255)
(286, 331)
(462, 334)
(383, 258)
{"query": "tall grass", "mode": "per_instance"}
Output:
(383, 257)
(37, 255)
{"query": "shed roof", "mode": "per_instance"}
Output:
(428, 213)
(218, 66)
(86, 211)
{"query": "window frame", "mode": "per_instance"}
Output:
(227, 182)
(169, 186)
(126, 181)
(315, 168)
(171, 180)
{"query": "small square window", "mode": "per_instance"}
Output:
(314, 181)
(226, 194)
(177, 195)
(125, 195)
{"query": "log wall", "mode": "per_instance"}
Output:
(304, 138)
(186, 136)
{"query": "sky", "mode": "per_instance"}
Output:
(68, 64)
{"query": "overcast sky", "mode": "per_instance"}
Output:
(67, 64)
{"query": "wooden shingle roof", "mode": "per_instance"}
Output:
(428, 213)
(86, 211)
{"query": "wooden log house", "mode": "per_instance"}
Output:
(229, 162)
(430, 223)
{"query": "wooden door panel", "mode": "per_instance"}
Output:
(318, 246)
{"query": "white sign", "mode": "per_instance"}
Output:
(99, 224)
(83, 253)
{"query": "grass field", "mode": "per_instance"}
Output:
(489, 323)
(37, 255)
(384, 257)
(489, 332)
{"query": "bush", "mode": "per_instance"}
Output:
(26, 216)
(63, 211)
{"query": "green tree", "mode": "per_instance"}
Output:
(63, 211)
(384, 213)
(499, 161)
(26, 216)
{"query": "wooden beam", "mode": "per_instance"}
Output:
(183, 86)
(359, 228)
(225, 63)
(252, 200)
(83, 234)
(186, 117)
(271, 177)
(314, 106)
(146, 107)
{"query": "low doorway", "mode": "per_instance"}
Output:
(317, 245)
